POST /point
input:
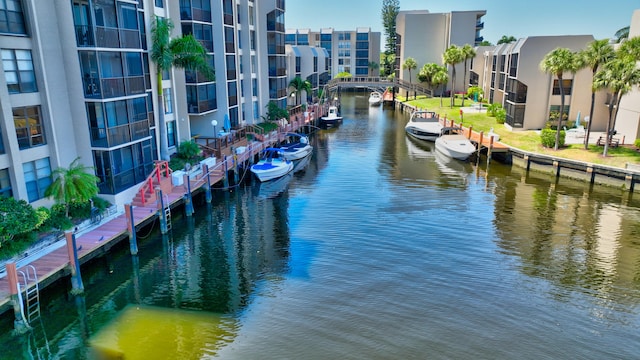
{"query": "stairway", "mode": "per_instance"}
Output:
(160, 176)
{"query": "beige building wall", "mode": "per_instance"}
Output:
(539, 96)
(425, 36)
(628, 117)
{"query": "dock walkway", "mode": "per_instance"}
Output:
(52, 263)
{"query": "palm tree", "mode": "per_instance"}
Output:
(426, 74)
(441, 77)
(506, 39)
(298, 85)
(631, 47)
(409, 64)
(598, 52)
(469, 53)
(619, 76)
(183, 52)
(387, 61)
(452, 56)
(373, 66)
(77, 183)
(557, 62)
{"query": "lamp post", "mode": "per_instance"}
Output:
(214, 123)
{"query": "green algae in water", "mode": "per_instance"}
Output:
(147, 332)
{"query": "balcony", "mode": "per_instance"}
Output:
(480, 25)
(479, 39)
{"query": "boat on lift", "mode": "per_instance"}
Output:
(332, 118)
(454, 144)
(272, 165)
(296, 146)
(375, 98)
(424, 125)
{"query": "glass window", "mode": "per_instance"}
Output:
(159, 3)
(18, 71)
(168, 101)
(5, 184)
(254, 87)
(171, 133)
(11, 17)
(567, 85)
(37, 177)
(29, 129)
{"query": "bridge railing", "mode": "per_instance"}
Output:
(379, 81)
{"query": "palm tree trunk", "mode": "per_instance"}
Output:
(606, 142)
(464, 81)
(586, 139)
(453, 86)
(559, 126)
(164, 145)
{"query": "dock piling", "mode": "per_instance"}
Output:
(131, 228)
(77, 286)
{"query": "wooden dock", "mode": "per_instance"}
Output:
(53, 262)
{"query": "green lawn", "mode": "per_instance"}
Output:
(526, 140)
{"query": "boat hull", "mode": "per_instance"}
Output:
(455, 146)
(297, 153)
(330, 121)
(422, 134)
(270, 170)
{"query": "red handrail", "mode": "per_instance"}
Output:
(161, 170)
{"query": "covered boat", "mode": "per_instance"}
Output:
(454, 144)
(271, 165)
(296, 147)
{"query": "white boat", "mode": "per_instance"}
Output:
(332, 117)
(272, 189)
(271, 165)
(424, 125)
(296, 147)
(375, 98)
(454, 145)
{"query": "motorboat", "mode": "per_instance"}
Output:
(375, 98)
(296, 147)
(424, 125)
(454, 144)
(271, 165)
(332, 117)
(301, 165)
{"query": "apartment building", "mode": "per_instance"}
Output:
(424, 36)
(79, 83)
(308, 63)
(628, 118)
(351, 51)
(510, 75)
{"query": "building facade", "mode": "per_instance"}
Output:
(424, 36)
(79, 83)
(354, 51)
(628, 117)
(510, 75)
(309, 63)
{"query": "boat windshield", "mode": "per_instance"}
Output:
(425, 116)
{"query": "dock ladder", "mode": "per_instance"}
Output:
(32, 292)
(167, 212)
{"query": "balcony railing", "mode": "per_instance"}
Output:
(84, 36)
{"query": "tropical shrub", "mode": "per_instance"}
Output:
(548, 138)
(492, 108)
(343, 74)
(637, 143)
(188, 152)
(501, 115)
(475, 92)
(16, 217)
(274, 112)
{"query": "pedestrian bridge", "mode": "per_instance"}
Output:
(376, 83)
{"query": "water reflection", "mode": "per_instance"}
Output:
(579, 241)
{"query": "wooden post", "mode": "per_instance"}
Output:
(592, 174)
(225, 180)
(470, 131)
(76, 278)
(131, 228)
(629, 182)
(556, 167)
(188, 204)
(20, 323)
(527, 162)
(490, 150)
(205, 170)
(161, 214)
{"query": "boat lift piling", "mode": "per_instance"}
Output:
(207, 190)
(76, 277)
(131, 228)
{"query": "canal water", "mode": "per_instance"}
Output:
(377, 249)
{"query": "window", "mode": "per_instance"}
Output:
(11, 17)
(37, 177)
(254, 86)
(168, 101)
(18, 71)
(567, 84)
(5, 184)
(29, 130)
(159, 3)
(171, 133)
(232, 89)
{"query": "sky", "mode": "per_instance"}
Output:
(518, 18)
